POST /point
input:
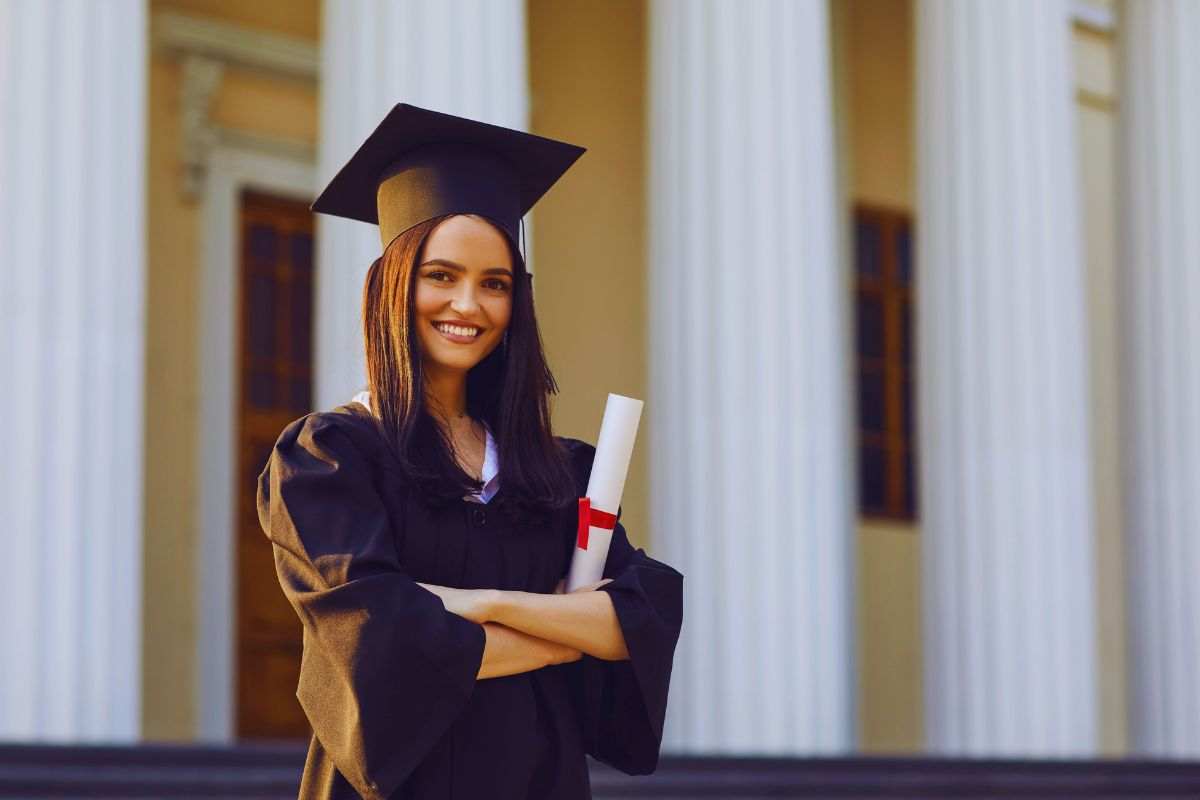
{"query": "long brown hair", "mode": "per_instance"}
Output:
(509, 390)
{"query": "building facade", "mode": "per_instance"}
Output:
(909, 287)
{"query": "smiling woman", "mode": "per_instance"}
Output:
(460, 300)
(434, 390)
(441, 657)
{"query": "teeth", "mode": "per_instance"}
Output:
(459, 331)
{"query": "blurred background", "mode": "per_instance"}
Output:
(786, 206)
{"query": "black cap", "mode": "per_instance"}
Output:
(420, 164)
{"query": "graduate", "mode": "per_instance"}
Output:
(422, 531)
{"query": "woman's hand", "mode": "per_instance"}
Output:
(473, 604)
(587, 587)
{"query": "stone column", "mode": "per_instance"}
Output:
(466, 58)
(1160, 305)
(751, 487)
(72, 282)
(1007, 550)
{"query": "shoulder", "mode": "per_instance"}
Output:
(580, 455)
(577, 449)
(344, 432)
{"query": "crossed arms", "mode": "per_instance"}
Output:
(527, 630)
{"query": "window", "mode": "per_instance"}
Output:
(883, 279)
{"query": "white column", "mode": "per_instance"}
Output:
(752, 492)
(1006, 514)
(72, 276)
(466, 57)
(1160, 294)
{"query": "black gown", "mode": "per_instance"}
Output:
(387, 677)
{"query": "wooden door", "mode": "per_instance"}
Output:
(276, 388)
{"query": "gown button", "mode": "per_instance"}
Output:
(480, 517)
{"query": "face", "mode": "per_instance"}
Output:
(464, 279)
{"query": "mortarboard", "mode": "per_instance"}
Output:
(419, 164)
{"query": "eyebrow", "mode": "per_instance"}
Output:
(442, 262)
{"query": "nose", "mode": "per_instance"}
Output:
(464, 301)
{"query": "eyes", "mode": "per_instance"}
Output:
(496, 284)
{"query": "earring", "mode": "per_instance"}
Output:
(504, 344)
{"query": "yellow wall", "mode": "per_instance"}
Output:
(880, 74)
(1095, 63)
(298, 18)
(258, 105)
(587, 75)
(875, 81)
(168, 626)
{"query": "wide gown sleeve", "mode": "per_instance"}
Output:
(625, 702)
(385, 668)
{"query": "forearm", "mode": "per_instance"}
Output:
(509, 652)
(584, 621)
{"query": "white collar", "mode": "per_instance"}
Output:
(491, 459)
(491, 468)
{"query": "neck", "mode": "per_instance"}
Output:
(446, 393)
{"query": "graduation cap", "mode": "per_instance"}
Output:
(419, 164)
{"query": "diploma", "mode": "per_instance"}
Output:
(598, 510)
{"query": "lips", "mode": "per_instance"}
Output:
(455, 337)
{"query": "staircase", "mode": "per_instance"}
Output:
(272, 770)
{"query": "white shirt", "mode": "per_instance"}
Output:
(491, 463)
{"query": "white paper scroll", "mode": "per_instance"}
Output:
(614, 447)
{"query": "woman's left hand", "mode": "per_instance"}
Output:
(473, 604)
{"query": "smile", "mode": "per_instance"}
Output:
(460, 334)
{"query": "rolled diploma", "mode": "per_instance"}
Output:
(614, 447)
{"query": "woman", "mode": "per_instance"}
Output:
(423, 532)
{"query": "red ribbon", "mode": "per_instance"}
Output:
(591, 518)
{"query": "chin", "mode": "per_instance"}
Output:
(459, 361)
(454, 363)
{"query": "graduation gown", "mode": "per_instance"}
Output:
(388, 675)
